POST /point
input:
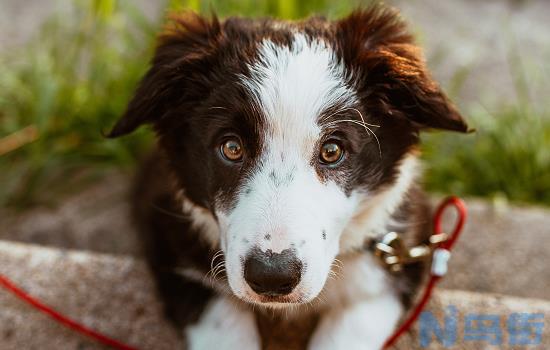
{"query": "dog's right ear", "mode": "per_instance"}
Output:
(376, 41)
(186, 41)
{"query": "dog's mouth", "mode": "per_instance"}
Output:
(276, 301)
(272, 299)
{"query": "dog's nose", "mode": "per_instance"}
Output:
(272, 274)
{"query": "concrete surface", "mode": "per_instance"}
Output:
(20, 20)
(468, 305)
(115, 295)
(95, 218)
(501, 251)
(486, 44)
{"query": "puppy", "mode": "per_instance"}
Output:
(285, 150)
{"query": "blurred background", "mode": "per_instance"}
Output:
(68, 68)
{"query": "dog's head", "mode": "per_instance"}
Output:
(298, 138)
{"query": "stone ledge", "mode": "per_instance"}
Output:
(116, 295)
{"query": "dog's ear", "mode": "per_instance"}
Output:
(394, 79)
(187, 40)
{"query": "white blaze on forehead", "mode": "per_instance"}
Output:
(294, 85)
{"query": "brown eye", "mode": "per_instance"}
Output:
(231, 149)
(331, 153)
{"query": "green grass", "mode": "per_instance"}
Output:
(70, 83)
(75, 77)
(288, 9)
(508, 157)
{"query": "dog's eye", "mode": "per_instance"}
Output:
(231, 149)
(331, 152)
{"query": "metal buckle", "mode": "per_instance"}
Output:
(393, 254)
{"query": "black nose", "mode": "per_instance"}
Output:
(272, 274)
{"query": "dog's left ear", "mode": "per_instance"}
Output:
(376, 43)
(180, 54)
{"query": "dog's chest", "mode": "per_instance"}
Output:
(278, 332)
(357, 278)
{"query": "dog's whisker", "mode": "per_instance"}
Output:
(219, 264)
(367, 128)
(215, 273)
(218, 254)
(215, 269)
(364, 125)
(168, 212)
(347, 109)
(362, 118)
(335, 113)
(218, 272)
(358, 122)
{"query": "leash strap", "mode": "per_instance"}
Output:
(62, 319)
(440, 259)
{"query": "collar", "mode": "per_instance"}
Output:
(393, 254)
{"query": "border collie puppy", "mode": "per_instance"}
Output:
(285, 150)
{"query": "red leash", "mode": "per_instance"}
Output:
(62, 319)
(439, 263)
(440, 258)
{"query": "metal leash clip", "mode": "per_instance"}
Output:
(393, 254)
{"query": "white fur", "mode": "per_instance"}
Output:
(295, 215)
(364, 325)
(360, 306)
(224, 325)
(293, 86)
(357, 277)
(288, 201)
